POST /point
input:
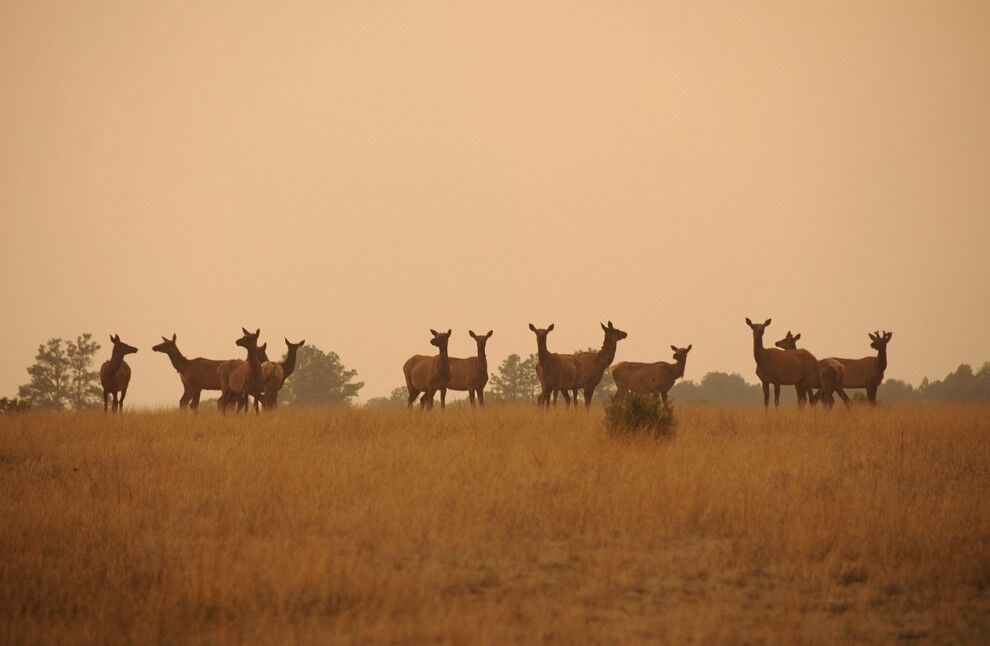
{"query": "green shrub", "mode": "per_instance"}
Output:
(632, 413)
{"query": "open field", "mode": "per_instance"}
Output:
(499, 525)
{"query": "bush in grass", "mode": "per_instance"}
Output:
(635, 413)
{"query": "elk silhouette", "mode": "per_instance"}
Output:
(797, 368)
(830, 373)
(653, 378)
(241, 378)
(556, 372)
(592, 365)
(471, 374)
(196, 375)
(428, 374)
(867, 372)
(115, 374)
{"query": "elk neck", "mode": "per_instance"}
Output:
(758, 347)
(116, 358)
(289, 364)
(606, 355)
(443, 365)
(179, 362)
(542, 354)
(482, 362)
(254, 361)
(882, 359)
(679, 368)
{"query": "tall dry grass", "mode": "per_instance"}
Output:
(496, 525)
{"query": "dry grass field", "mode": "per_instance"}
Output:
(506, 524)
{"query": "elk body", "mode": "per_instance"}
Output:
(830, 373)
(653, 378)
(426, 374)
(556, 372)
(196, 374)
(471, 374)
(797, 368)
(239, 379)
(115, 374)
(592, 365)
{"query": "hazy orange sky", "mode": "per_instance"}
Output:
(354, 173)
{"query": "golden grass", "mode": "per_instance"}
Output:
(506, 524)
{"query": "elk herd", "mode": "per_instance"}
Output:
(564, 375)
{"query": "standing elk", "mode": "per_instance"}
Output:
(782, 367)
(115, 374)
(866, 372)
(428, 374)
(592, 365)
(275, 374)
(471, 374)
(653, 378)
(830, 374)
(196, 374)
(556, 372)
(241, 378)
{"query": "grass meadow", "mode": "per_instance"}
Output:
(502, 525)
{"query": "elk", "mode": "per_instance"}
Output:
(782, 367)
(471, 374)
(196, 374)
(592, 365)
(428, 374)
(115, 374)
(830, 373)
(653, 378)
(556, 372)
(867, 372)
(275, 374)
(241, 378)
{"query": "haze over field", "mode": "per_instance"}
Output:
(354, 174)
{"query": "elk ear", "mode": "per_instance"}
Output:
(489, 335)
(245, 331)
(112, 339)
(610, 326)
(532, 328)
(550, 328)
(174, 337)
(674, 348)
(797, 336)
(889, 336)
(449, 330)
(748, 322)
(302, 343)
(767, 323)
(473, 335)
(689, 347)
(257, 332)
(164, 339)
(434, 332)
(603, 327)
(872, 338)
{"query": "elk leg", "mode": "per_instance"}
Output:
(871, 394)
(481, 397)
(663, 396)
(106, 396)
(776, 395)
(471, 397)
(802, 395)
(113, 406)
(413, 394)
(443, 398)
(588, 394)
(843, 396)
(123, 393)
(194, 404)
(544, 398)
(184, 400)
(766, 395)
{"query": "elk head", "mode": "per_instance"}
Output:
(166, 346)
(440, 339)
(789, 342)
(290, 346)
(250, 339)
(263, 352)
(541, 333)
(613, 333)
(481, 340)
(120, 348)
(680, 354)
(879, 341)
(758, 328)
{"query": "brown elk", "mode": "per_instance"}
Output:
(275, 374)
(782, 367)
(241, 378)
(115, 374)
(866, 372)
(428, 374)
(556, 372)
(196, 374)
(830, 374)
(653, 378)
(471, 374)
(592, 365)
